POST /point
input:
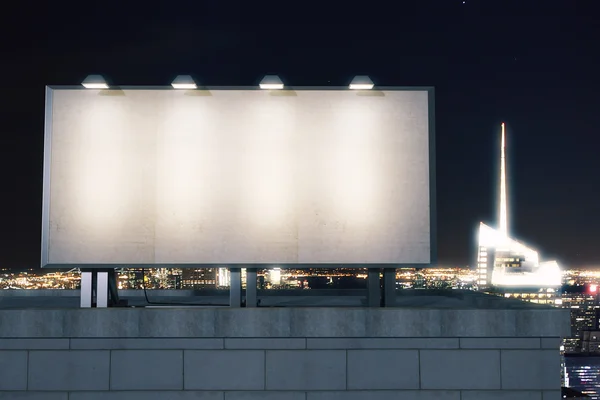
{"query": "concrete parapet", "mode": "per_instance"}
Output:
(282, 323)
(281, 353)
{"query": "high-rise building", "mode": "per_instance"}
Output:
(582, 373)
(504, 261)
(223, 277)
(584, 303)
(590, 342)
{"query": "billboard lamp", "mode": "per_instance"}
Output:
(184, 82)
(94, 82)
(271, 82)
(361, 82)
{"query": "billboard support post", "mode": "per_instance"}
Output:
(389, 287)
(102, 289)
(86, 289)
(373, 288)
(235, 289)
(251, 290)
(94, 288)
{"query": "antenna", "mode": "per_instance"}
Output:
(503, 201)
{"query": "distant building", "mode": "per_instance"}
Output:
(223, 277)
(549, 296)
(582, 373)
(192, 278)
(584, 303)
(590, 342)
(504, 261)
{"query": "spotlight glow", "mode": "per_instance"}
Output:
(361, 86)
(361, 82)
(271, 82)
(184, 82)
(94, 82)
(95, 85)
(184, 86)
(271, 86)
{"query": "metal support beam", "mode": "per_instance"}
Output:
(373, 288)
(251, 288)
(86, 290)
(102, 289)
(389, 287)
(94, 288)
(235, 289)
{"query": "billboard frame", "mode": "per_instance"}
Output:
(47, 160)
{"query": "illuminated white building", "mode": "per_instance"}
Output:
(275, 276)
(223, 277)
(504, 261)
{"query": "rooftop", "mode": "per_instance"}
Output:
(405, 298)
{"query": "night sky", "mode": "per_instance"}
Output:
(533, 64)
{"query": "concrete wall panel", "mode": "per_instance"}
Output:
(253, 322)
(265, 395)
(552, 395)
(69, 370)
(13, 370)
(551, 343)
(34, 396)
(34, 344)
(530, 369)
(177, 323)
(500, 395)
(460, 369)
(146, 370)
(266, 344)
(383, 369)
(224, 369)
(147, 344)
(146, 395)
(306, 370)
(500, 343)
(382, 343)
(386, 395)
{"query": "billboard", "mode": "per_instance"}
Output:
(237, 176)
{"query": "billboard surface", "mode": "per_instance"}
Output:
(237, 177)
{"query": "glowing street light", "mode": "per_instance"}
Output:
(184, 82)
(271, 82)
(361, 82)
(94, 82)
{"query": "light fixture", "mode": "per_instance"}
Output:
(184, 82)
(361, 82)
(271, 82)
(94, 82)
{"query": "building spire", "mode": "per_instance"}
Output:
(503, 201)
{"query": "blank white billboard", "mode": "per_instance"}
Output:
(237, 177)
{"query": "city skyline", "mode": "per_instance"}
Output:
(534, 76)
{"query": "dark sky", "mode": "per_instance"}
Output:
(534, 64)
